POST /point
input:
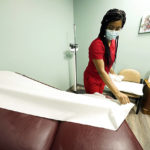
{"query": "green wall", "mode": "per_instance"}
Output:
(134, 48)
(34, 39)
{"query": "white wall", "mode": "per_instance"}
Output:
(34, 37)
(134, 48)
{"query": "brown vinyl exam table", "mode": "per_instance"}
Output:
(19, 131)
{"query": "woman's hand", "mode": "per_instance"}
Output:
(112, 71)
(122, 98)
(100, 67)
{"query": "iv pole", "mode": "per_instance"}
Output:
(74, 47)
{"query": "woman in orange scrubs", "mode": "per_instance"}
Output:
(102, 55)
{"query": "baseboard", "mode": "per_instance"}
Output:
(80, 89)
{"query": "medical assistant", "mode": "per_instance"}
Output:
(92, 80)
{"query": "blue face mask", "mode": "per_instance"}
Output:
(111, 34)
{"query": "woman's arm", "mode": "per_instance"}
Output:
(99, 64)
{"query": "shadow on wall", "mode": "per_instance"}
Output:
(68, 55)
(147, 75)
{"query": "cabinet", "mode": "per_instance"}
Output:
(146, 98)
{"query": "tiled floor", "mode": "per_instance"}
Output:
(139, 124)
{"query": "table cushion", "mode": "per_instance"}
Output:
(19, 131)
(71, 136)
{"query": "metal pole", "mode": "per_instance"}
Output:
(75, 86)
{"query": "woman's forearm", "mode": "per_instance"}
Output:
(99, 64)
(107, 80)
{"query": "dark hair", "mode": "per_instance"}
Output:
(111, 16)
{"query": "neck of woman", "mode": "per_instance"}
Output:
(109, 43)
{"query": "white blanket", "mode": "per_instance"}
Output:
(125, 86)
(130, 87)
(22, 94)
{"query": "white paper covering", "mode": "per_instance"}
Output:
(22, 94)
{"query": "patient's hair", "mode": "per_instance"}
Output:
(111, 16)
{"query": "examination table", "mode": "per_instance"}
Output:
(19, 131)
